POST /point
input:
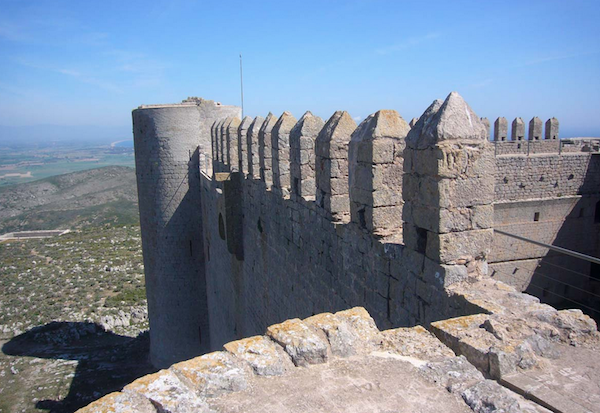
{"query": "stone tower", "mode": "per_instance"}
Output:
(168, 140)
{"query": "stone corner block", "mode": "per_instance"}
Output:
(304, 344)
(349, 332)
(118, 402)
(264, 356)
(213, 374)
(166, 390)
(415, 342)
(442, 275)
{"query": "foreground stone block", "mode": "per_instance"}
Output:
(167, 392)
(349, 332)
(213, 374)
(415, 342)
(263, 355)
(304, 345)
(120, 403)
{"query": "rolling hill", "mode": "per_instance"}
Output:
(74, 200)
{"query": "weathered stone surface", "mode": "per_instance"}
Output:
(357, 384)
(304, 345)
(413, 138)
(518, 130)
(166, 391)
(535, 129)
(375, 172)
(349, 332)
(263, 355)
(265, 149)
(242, 142)
(415, 342)
(213, 374)
(120, 403)
(551, 129)
(500, 129)
(446, 248)
(253, 151)
(302, 154)
(453, 120)
(280, 143)
(455, 374)
(488, 396)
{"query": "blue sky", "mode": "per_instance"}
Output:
(81, 66)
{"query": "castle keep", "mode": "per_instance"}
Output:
(249, 222)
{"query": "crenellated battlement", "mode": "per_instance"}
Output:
(298, 216)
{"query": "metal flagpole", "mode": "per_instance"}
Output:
(242, 85)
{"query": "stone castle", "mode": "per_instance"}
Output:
(250, 222)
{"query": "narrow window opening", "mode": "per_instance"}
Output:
(296, 188)
(519, 146)
(221, 227)
(421, 240)
(191, 249)
(597, 213)
(362, 219)
(570, 177)
(536, 216)
(259, 226)
(581, 212)
(322, 199)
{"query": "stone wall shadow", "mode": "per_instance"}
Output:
(106, 361)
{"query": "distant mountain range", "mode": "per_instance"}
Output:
(91, 197)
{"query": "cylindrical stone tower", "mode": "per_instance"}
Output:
(168, 140)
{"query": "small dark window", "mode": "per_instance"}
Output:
(259, 226)
(518, 146)
(421, 240)
(536, 216)
(570, 177)
(595, 271)
(361, 218)
(505, 180)
(221, 227)
(597, 213)
(296, 188)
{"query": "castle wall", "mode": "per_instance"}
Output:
(549, 198)
(298, 259)
(168, 140)
(285, 221)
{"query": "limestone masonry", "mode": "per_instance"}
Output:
(250, 222)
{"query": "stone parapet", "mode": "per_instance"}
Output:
(327, 344)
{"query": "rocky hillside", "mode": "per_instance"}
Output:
(72, 318)
(79, 199)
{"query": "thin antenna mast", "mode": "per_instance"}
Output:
(242, 84)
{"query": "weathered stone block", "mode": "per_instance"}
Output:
(263, 355)
(449, 247)
(166, 390)
(120, 403)
(304, 345)
(213, 374)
